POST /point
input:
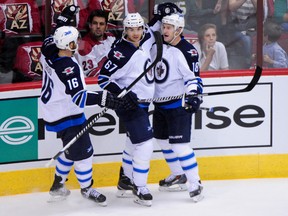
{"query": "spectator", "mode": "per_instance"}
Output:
(279, 12)
(201, 12)
(198, 12)
(212, 53)
(95, 45)
(274, 56)
(238, 31)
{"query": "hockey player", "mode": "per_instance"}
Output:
(63, 98)
(95, 45)
(126, 61)
(177, 73)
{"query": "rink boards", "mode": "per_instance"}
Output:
(243, 138)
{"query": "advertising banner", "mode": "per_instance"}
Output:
(19, 130)
(246, 123)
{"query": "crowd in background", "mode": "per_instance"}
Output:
(223, 31)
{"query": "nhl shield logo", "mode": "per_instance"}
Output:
(18, 18)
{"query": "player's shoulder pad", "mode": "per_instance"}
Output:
(121, 53)
(188, 50)
(65, 66)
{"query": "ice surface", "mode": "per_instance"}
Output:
(263, 197)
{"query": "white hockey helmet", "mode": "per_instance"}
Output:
(133, 20)
(64, 35)
(177, 20)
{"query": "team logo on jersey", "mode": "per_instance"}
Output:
(18, 18)
(193, 52)
(118, 55)
(34, 55)
(68, 71)
(149, 75)
(161, 71)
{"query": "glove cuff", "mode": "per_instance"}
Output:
(155, 11)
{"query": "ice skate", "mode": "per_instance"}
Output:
(142, 196)
(58, 191)
(195, 192)
(173, 183)
(92, 194)
(125, 186)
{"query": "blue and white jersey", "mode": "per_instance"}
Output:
(125, 63)
(177, 72)
(63, 95)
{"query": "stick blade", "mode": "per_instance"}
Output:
(249, 87)
(255, 79)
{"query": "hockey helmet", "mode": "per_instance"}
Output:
(133, 20)
(64, 35)
(177, 20)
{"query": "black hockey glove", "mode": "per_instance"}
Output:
(165, 9)
(110, 100)
(130, 101)
(192, 103)
(67, 16)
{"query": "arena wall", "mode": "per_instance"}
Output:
(244, 137)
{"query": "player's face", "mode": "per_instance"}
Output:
(210, 37)
(168, 32)
(98, 26)
(134, 34)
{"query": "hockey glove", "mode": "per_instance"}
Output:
(165, 9)
(67, 16)
(110, 100)
(130, 101)
(192, 100)
(192, 103)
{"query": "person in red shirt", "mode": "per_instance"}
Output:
(96, 44)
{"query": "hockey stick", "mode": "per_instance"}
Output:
(249, 87)
(159, 44)
(163, 99)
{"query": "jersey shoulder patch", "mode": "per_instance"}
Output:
(65, 66)
(121, 53)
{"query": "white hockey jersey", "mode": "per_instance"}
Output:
(64, 94)
(176, 71)
(124, 65)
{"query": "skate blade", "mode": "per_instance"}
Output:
(124, 194)
(54, 199)
(147, 203)
(197, 198)
(174, 188)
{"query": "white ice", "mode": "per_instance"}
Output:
(257, 197)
